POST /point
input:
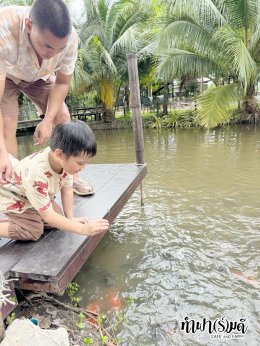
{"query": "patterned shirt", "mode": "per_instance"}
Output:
(18, 60)
(33, 184)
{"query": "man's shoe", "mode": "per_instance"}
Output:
(82, 188)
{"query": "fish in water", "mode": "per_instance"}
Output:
(112, 301)
(248, 279)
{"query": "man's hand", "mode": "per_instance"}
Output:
(94, 227)
(42, 132)
(5, 169)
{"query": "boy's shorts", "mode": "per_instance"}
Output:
(26, 226)
(37, 92)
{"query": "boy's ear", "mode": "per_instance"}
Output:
(28, 25)
(58, 153)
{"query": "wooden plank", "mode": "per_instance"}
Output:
(4, 241)
(13, 251)
(60, 255)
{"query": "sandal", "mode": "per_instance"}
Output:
(82, 188)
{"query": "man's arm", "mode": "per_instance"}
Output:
(5, 164)
(56, 98)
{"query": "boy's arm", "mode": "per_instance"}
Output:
(61, 222)
(67, 201)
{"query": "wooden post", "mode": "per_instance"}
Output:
(135, 106)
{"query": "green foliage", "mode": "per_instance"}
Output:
(173, 119)
(100, 320)
(82, 321)
(72, 291)
(104, 339)
(156, 123)
(11, 318)
(109, 32)
(214, 39)
(214, 105)
(88, 341)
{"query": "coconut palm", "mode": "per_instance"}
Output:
(110, 31)
(219, 39)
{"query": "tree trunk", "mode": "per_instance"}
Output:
(165, 98)
(201, 85)
(108, 115)
(250, 111)
(126, 99)
(149, 91)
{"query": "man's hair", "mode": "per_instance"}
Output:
(52, 15)
(74, 138)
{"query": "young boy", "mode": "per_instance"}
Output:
(28, 199)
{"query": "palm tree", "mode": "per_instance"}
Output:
(218, 39)
(110, 31)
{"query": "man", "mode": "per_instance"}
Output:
(38, 52)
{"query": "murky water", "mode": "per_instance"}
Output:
(193, 249)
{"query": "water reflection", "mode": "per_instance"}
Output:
(193, 250)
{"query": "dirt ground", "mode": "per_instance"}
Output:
(82, 326)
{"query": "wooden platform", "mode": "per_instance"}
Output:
(52, 262)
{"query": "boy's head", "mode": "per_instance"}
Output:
(48, 27)
(73, 144)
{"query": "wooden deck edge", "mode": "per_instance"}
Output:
(59, 283)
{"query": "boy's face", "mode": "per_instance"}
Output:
(45, 44)
(74, 164)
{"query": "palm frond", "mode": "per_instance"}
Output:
(215, 103)
(107, 93)
(127, 42)
(102, 9)
(81, 79)
(241, 13)
(208, 10)
(254, 42)
(176, 63)
(237, 54)
(191, 34)
(99, 57)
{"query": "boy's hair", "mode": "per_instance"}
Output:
(52, 15)
(74, 138)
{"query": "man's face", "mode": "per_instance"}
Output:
(45, 44)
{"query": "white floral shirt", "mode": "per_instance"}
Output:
(33, 184)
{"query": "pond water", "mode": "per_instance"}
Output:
(193, 249)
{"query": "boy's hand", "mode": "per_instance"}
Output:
(94, 227)
(81, 219)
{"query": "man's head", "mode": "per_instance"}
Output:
(73, 144)
(49, 26)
